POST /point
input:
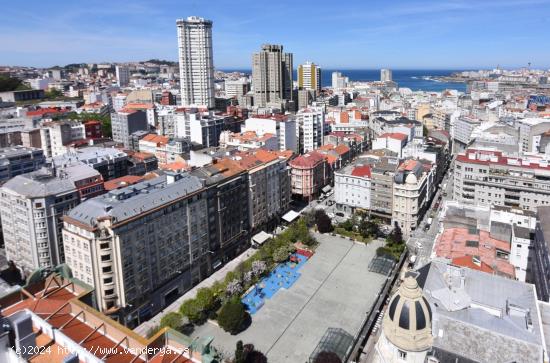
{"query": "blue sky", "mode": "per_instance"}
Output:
(351, 34)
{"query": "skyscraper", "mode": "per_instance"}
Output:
(196, 61)
(309, 77)
(122, 75)
(385, 75)
(271, 75)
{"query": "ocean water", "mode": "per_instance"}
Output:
(405, 78)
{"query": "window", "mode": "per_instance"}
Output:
(401, 354)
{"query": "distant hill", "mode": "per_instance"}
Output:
(161, 62)
(11, 84)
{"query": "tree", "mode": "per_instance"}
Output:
(368, 228)
(258, 267)
(171, 320)
(239, 352)
(232, 316)
(425, 131)
(280, 254)
(327, 357)
(234, 287)
(396, 235)
(324, 224)
(192, 310)
(251, 355)
(206, 299)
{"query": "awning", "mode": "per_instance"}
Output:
(290, 216)
(326, 189)
(261, 238)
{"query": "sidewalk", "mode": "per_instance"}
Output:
(218, 275)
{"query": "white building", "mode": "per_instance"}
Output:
(196, 61)
(32, 206)
(282, 126)
(410, 194)
(122, 75)
(237, 88)
(310, 124)
(386, 75)
(54, 136)
(352, 188)
(339, 81)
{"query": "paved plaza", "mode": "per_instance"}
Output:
(336, 290)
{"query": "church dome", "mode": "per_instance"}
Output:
(408, 320)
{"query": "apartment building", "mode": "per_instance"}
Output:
(227, 197)
(352, 187)
(268, 188)
(309, 77)
(18, 160)
(310, 124)
(111, 163)
(125, 122)
(248, 140)
(272, 75)
(55, 136)
(141, 246)
(483, 177)
(461, 132)
(283, 126)
(309, 174)
(32, 207)
(383, 170)
(196, 61)
(410, 194)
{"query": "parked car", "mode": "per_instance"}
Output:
(340, 214)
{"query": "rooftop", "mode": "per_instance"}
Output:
(482, 317)
(54, 305)
(122, 205)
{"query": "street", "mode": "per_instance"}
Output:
(421, 242)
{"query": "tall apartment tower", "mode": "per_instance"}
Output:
(122, 76)
(196, 61)
(309, 77)
(271, 75)
(386, 75)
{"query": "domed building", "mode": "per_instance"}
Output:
(407, 326)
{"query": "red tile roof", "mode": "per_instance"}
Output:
(122, 182)
(158, 139)
(308, 160)
(468, 261)
(362, 171)
(394, 135)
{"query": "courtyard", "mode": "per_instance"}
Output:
(335, 290)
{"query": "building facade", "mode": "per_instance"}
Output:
(309, 77)
(196, 61)
(32, 207)
(271, 75)
(125, 122)
(141, 246)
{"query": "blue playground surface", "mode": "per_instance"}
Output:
(284, 275)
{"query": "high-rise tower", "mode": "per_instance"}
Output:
(271, 75)
(196, 61)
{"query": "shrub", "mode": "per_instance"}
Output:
(171, 320)
(233, 288)
(232, 316)
(193, 311)
(281, 254)
(206, 300)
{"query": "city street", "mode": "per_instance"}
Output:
(421, 242)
